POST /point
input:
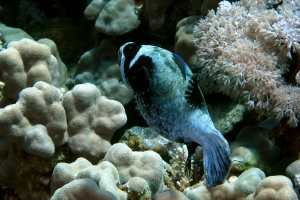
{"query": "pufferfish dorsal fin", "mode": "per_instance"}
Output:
(193, 94)
(181, 64)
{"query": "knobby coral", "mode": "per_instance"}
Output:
(24, 63)
(139, 174)
(37, 121)
(99, 66)
(113, 17)
(244, 49)
(250, 185)
(92, 121)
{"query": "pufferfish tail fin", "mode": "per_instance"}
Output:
(217, 158)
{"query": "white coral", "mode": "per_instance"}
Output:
(244, 48)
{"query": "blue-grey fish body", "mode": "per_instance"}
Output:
(172, 104)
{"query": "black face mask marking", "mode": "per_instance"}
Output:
(139, 75)
(130, 50)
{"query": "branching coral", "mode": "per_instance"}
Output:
(177, 168)
(175, 156)
(244, 48)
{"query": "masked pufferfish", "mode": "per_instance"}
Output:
(169, 99)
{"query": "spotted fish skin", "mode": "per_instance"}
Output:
(161, 91)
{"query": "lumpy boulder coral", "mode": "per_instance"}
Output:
(24, 63)
(147, 165)
(239, 189)
(252, 148)
(81, 177)
(113, 17)
(60, 65)
(293, 169)
(275, 188)
(184, 45)
(37, 121)
(92, 121)
(82, 189)
(99, 66)
(155, 10)
(250, 185)
(123, 174)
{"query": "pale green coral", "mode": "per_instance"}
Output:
(252, 148)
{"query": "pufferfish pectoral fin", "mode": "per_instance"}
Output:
(139, 75)
(181, 64)
(193, 94)
(217, 158)
(140, 81)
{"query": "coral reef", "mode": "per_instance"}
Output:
(174, 154)
(92, 120)
(35, 127)
(55, 136)
(238, 189)
(245, 47)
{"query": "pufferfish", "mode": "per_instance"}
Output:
(169, 99)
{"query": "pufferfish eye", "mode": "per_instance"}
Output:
(130, 49)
